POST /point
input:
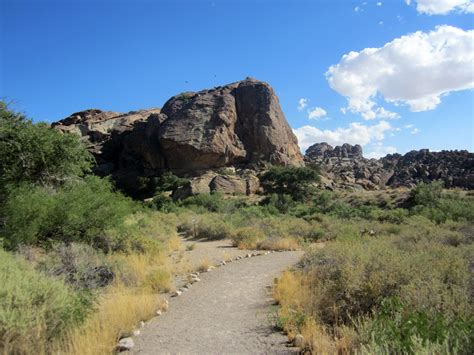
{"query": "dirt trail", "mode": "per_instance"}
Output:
(228, 312)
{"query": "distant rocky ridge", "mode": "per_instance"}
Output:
(345, 167)
(239, 126)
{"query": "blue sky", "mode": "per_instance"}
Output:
(59, 57)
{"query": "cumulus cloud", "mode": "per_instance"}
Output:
(414, 70)
(378, 150)
(379, 3)
(316, 113)
(414, 131)
(355, 133)
(443, 7)
(302, 103)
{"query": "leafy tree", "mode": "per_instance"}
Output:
(168, 182)
(293, 181)
(35, 153)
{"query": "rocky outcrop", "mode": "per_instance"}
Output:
(325, 151)
(455, 168)
(236, 125)
(344, 166)
(240, 123)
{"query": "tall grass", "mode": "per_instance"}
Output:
(119, 311)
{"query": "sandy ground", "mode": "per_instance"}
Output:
(228, 312)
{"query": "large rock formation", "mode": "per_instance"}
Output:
(237, 125)
(344, 166)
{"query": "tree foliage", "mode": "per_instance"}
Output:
(35, 153)
(293, 181)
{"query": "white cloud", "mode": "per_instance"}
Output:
(378, 150)
(443, 7)
(355, 133)
(356, 9)
(407, 126)
(414, 131)
(302, 103)
(316, 112)
(380, 23)
(414, 70)
(379, 4)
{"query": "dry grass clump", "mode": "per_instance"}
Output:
(281, 243)
(119, 311)
(204, 264)
(247, 237)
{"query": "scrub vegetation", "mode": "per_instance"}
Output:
(81, 263)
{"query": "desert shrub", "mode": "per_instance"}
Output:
(400, 329)
(206, 226)
(426, 194)
(80, 265)
(410, 290)
(80, 211)
(279, 203)
(397, 216)
(247, 237)
(214, 202)
(164, 203)
(294, 181)
(431, 201)
(35, 310)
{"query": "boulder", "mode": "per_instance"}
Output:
(228, 184)
(125, 344)
(237, 124)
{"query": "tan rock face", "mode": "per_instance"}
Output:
(228, 184)
(240, 124)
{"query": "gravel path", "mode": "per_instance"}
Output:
(228, 312)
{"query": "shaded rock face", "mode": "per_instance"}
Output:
(240, 125)
(344, 166)
(455, 168)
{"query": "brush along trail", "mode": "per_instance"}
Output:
(227, 312)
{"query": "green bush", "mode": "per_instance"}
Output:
(427, 195)
(81, 211)
(208, 226)
(401, 329)
(214, 202)
(35, 310)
